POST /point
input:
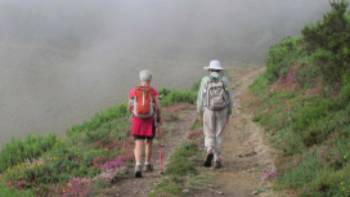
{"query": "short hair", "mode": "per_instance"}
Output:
(145, 75)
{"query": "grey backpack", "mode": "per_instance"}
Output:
(216, 95)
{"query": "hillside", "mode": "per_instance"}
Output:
(303, 101)
(82, 162)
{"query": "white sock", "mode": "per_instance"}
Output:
(138, 163)
(147, 162)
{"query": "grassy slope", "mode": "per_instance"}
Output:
(48, 165)
(307, 118)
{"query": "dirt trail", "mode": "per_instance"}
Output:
(179, 119)
(248, 160)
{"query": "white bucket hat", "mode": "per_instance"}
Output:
(214, 65)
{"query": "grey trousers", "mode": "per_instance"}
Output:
(214, 123)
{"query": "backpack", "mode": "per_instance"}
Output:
(143, 102)
(216, 95)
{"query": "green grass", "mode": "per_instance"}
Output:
(180, 162)
(10, 192)
(170, 97)
(307, 170)
(29, 148)
(180, 169)
(40, 163)
(311, 131)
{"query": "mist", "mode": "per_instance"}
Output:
(64, 60)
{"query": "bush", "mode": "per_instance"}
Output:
(330, 183)
(30, 148)
(281, 57)
(329, 40)
(11, 192)
(344, 94)
(311, 128)
(169, 97)
(307, 75)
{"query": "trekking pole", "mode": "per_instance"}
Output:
(160, 151)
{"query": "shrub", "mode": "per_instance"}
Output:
(307, 75)
(329, 40)
(169, 97)
(30, 148)
(343, 98)
(58, 165)
(5, 191)
(330, 183)
(281, 57)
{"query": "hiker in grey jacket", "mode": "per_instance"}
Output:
(215, 103)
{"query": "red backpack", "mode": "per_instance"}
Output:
(143, 102)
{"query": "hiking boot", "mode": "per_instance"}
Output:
(208, 159)
(217, 165)
(138, 173)
(148, 168)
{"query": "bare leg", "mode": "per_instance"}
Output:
(148, 151)
(138, 151)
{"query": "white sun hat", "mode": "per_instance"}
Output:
(214, 65)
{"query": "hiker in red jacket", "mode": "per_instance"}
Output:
(145, 109)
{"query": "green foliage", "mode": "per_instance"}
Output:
(169, 97)
(8, 192)
(32, 147)
(260, 85)
(59, 165)
(344, 94)
(113, 129)
(329, 41)
(170, 187)
(307, 75)
(179, 170)
(330, 183)
(179, 162)
(308, 169)
(314, 128)
(115, 112)
(288, 141)
(281, 57)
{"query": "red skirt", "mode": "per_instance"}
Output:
(142, 127)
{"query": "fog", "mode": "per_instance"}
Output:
(64, 60)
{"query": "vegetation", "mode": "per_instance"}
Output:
(30, 148)
(303, 101)
(180, 169)
(70, 165)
